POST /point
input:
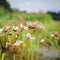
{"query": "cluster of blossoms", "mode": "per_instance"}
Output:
(52, 39)
(36, 25)
(15, 28)
(12, 39)
(55, 34)
(30, 24)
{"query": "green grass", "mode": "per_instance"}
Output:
(6, 15)
(53, 26)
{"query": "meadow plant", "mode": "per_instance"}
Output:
(27, 41)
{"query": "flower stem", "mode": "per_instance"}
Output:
(56, 42)
(2, 56)
(14, 57)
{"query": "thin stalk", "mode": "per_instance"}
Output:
(51, 42)
(32, 56)
(5, 39)
(28, 57)
(2, 56)
(14, 57)
(56, 43)
(23, 37)
(37, 35)
(32, 51)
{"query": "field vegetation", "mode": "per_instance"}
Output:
(28, 36)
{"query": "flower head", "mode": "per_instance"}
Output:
(23, 27)
(32, 38)
(17, 35)
(52, 35)
(6, 28)
(42, 40)
(10, 33)
(1, 30)
(18, 43)
(28, 35)
(15, 28)
(36, 25)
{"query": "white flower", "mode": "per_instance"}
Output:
(1, 30)
(18, 43)
(23, 27)
(28, 35)
(15, 28)
(52, 35)
(32, 38)
(42, 40)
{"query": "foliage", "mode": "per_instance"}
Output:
(55, 16)
(5, 4)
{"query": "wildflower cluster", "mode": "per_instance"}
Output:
(20, 40)
(36, 25)
(11, 39)
(52, 40)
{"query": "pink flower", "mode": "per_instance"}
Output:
(18, 42)
(28, 35)
(15, 28)
(23, 27)
(6, 28)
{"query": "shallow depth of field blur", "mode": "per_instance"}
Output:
(28, 35)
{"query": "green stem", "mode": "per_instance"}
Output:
(2, 56)
(51, 42)
(14, 57)
(5, 39)
(23, 37)
(56, 43)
